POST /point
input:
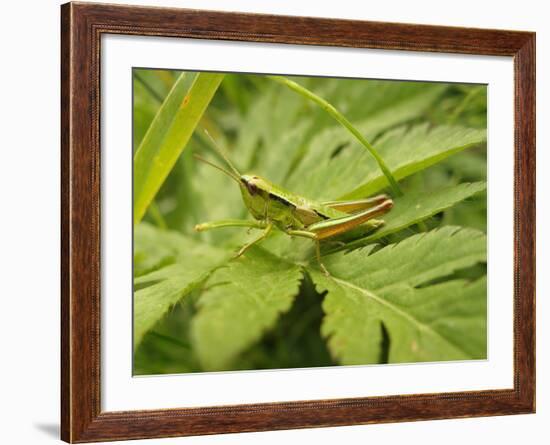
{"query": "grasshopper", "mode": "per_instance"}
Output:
(273, 206)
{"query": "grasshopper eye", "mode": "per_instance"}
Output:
(250, 186)
(252, 189)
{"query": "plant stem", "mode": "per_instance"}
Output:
(156, 214)
(341, 119)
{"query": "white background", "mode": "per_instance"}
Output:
(29, 183)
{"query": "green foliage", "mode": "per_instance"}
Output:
(395, 295)
(417, 206)
(350, 174)
(166, 275)
(342, 120)
(390, 287)
(168, 134)
(245, 300)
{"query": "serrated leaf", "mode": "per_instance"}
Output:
(264, 143)
(173, 277)
(352, 173)
(418, 206)
(410, 151)
(368, 290)
(357, 98)
(154, 248)
(276, 166)
(244, 299)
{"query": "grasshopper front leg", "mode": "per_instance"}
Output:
(263, 236)
(267, 226)
(230, 223)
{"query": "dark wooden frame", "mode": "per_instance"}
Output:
(81, 28)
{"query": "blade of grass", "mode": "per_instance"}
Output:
(168, 135)
(156, 215)
(341, 119)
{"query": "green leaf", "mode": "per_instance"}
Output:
(270, 117)
(269, 141)
(376, 98)
(153, 248)
(172, 277)
(416, 207)
(389, 290)
(350, 174)
(243, 300)
(410, 151)
(272, 163)
(344, 121)
(168, 135)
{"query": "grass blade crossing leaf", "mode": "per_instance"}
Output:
(243, 301)
(382, 105)
(408, 152)
(341, 119)
(327, 176)
(369, 290)
(168, 135)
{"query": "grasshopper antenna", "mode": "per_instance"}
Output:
(222, 153)
(228, 173)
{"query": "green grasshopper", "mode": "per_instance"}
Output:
(273, 206)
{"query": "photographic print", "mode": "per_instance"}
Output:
(295, 222)
(279, 222)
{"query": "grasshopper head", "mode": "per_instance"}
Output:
(254, 184)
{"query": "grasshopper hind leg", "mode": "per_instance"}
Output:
(318, 255)
(313, 236)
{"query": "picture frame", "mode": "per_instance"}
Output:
(82, 27)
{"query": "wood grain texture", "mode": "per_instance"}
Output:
(81, 28)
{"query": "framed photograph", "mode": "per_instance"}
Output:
(274, 222)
